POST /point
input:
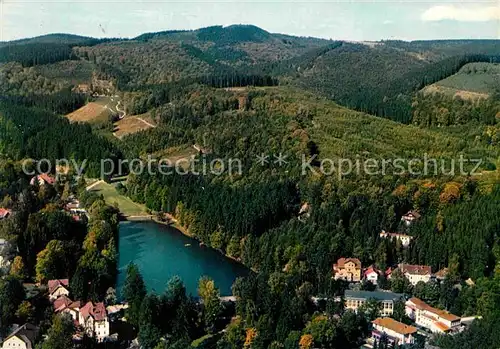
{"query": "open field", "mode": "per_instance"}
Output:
(132, 124)
(126, 205)
(98, 110)
(452, 92)
(89, 113)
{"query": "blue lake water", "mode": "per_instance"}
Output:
(160, 252)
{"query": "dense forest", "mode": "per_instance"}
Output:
(441, 110)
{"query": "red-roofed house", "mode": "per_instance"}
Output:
(58, 288)
(436, 320)
(348, 269)
(94, 319)
(372, 274)
(43, 179)
(4, 213)
(64, 304)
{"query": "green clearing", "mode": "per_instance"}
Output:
(126, 206)
(474, 77)
(180, 155)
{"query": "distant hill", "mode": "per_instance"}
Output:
(378, 77)
(69, 39)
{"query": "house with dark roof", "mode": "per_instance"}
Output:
(396, 332)
(64, 305)
(436, 320)
(94, 320)
(22, 338)
(58, 288)
(410, 217)
(355, 299)
(414, 273)
(348, 269)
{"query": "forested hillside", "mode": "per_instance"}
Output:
(38, 134)
(254, 216)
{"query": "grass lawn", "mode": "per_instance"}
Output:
(126, 205)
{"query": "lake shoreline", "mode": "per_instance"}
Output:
(161, 251)
(174, 223)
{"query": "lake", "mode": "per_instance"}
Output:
(161, 252)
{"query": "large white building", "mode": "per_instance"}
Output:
(396, 332)
(436, 320)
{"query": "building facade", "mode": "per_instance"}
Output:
(355, 299)
(372, 274)
(94, 320)
(22, 338)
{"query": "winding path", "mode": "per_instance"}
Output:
(121, 111)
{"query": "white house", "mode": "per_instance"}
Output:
(396, 332)
(58, 288)
(436, 320)
(372, 274)
(22, 338)
(415, 273)
(403, 238)
(94, 320)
